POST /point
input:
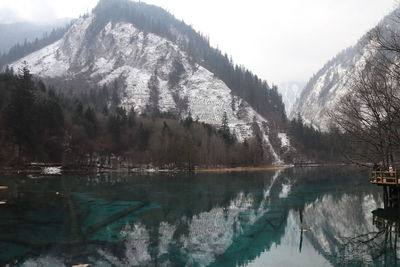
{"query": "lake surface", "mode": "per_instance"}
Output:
(237, 219)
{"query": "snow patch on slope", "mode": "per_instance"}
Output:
(277, 160)
(284, 140)
(47, 62)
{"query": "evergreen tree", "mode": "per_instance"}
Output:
(49, 117)
(225, 132)
(224, 123)
(19, 114)
(91, 124)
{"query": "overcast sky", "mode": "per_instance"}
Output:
(279, 40)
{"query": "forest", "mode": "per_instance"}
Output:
(41, 124)
(90, 129)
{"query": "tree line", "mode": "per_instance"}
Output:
(91, 129)
(313, 145)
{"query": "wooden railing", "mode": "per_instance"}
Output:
(385, 177)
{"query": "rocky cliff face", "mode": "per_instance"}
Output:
(151, 71)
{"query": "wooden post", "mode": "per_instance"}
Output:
(385, 197)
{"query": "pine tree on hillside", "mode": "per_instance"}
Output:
(225, 128)
(19, 114)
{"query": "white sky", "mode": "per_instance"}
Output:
(279, 40)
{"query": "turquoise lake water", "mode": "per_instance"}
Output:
(292, 217)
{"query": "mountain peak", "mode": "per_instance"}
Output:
(143, 16)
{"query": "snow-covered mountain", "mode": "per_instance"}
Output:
(329, 84)
(139, 63)
(324, 89)
(148, 68)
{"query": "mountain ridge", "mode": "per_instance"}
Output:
(324, 90)
(106, 49)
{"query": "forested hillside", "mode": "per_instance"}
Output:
(78, 130)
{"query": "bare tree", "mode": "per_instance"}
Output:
(370, 113)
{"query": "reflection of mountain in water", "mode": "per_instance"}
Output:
(216, 220)
(333, 220)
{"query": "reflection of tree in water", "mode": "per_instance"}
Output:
(377, 247)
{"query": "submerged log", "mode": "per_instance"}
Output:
(94, 228)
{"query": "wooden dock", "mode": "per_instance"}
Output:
(390, 181)
(385, 177)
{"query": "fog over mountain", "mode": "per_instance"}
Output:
(18, 32)
(290, 92)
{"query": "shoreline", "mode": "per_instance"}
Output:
(242, 169)
(145, 170)
(94, 170)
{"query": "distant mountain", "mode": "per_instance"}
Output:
(18, 33)
(159, 63)
(329, 84)
(290, 92)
